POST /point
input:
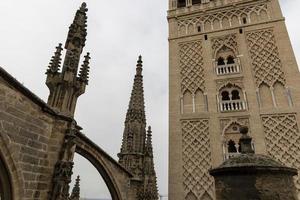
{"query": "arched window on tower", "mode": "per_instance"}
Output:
(231, 99)
(226, 62)
(231, 137)
(231, 147)
(221, 61)
(230, 60)
(181, 3)
(225, 96)
(235, 95)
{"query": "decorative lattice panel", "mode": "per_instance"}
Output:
(283, 140)
(220, 17)
(197, 182)
(266, 63)
(228, 41)
(191, 67)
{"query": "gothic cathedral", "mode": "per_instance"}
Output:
(231, 65)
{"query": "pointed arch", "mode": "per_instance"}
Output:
(207, 25)
(9, 171)
(190, 28)
(187, 102)
(235, 21)
(265, 94)
(229, 125)
(225, 22)
(263, 15)
(254, 17)
(200, 103)
(216, 24)
(225, 48)
(280, 94)
(191, 196)
(230, 85)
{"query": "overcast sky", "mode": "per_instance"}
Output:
(118, 31)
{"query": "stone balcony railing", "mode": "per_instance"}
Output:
(227, 69)
(231, 155)
(233, 105)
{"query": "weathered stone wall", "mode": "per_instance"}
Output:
(30, 141)
(264, 187)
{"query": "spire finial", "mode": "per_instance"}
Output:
(139, 66)
(83, 6)
(76, 190)
(55, 62)
(149, 148)
(245, 141)
(149, 131)
(77, 31)
(85, 69)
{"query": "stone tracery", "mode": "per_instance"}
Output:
(221, 20)
(266, 62)
(283, 139)
(198, 184)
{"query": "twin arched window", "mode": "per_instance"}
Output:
(222, 61)
(230, 95)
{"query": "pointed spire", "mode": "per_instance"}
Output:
(139, 66)
(55, 62)
(149, 148)
(134, 136)
(85, 69)
(136, 110)
(78, 29)
(76, 190)
(150, 191)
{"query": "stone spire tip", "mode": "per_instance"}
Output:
(149, 131)
(83, 7)
(139, 66)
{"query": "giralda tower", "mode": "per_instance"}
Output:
(231, 64)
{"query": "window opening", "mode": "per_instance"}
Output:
(225, 96)
(181, 3)
(230, 60)
(235, 95)
(221, 61)
(199, 29)
(232, 147)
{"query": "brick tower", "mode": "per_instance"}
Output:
(231, 65)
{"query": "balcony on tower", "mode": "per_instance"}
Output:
(226, 62)
(231, 100)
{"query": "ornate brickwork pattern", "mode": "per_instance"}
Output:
(228, 41)
(266, 63)
(191, 67)
(225, 123)
(220, 17)
(283, 140)
(233, 82)
(196, 154)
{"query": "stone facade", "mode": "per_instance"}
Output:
(38, 140)
(231, 64)
(31, 138)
